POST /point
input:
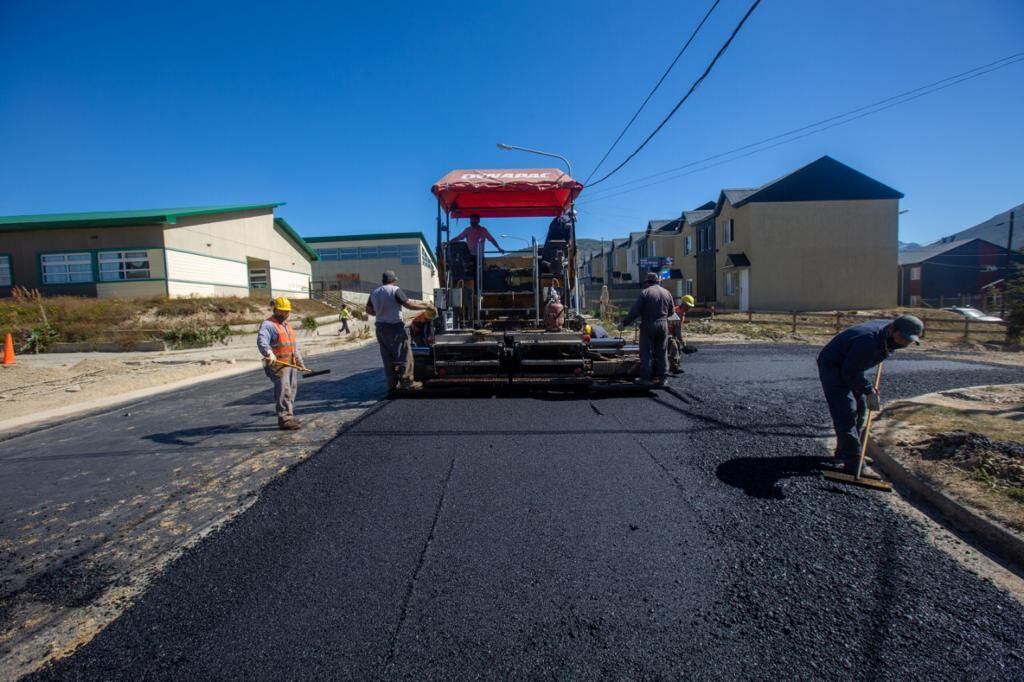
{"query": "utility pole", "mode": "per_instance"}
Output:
(1009, 264)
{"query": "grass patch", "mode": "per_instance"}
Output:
(37, 321)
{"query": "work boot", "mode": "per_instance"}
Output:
(646, 383)
(849, 466)
(412, 385)
(288, 425)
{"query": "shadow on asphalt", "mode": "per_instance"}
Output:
(759, 476)
(200, 433)
(327, 394)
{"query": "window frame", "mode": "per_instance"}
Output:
(687, 245)
(10, 269)
(122, 261)
(915, 273)
(729, 283)
(67, 272)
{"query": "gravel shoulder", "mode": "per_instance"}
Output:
(967, 442)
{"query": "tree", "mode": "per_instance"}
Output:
(1013, 298)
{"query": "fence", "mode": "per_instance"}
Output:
(833, 323)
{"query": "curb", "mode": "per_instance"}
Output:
(991, 535)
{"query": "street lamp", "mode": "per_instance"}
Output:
(512, 147)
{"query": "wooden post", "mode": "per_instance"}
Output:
(942, 301)
(794, 322)
(967, 328)
(750, 316)
(839, 321)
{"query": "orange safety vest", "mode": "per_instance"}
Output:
(284, 347)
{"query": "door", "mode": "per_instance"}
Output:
(744, 289)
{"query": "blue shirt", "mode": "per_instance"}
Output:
(267, 336)
(855, 350)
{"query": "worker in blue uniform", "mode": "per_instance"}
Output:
(841, 367)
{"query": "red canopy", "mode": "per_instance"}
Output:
(510, 193)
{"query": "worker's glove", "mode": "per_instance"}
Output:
(269, 358)
(872, 401)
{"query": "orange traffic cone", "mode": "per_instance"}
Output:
(8, 350)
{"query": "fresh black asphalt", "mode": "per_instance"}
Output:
(546, 537)
(66, 490)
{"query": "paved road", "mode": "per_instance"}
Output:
(88, 504)
(558, 538)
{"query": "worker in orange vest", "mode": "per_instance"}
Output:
(276, 343)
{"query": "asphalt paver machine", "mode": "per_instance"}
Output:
(514, 318)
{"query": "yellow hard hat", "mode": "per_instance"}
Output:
(429, 313)
(283, 304)
(689, 300)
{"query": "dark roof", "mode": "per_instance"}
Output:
(656, 225)
(920, 255)
(996, 229)
(737, 260)
(822, 180)
(291, 234)
(698, 215)
(735, 196)
(706, 206)
(143, 216)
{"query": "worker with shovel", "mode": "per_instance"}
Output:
(281, 361)
(849, 394)
(386, 303)
(653, 307)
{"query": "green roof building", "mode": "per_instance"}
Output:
(230, 250)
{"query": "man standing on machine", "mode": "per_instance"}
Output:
(475, 235)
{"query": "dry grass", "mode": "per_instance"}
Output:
(72, 318)
(976, 481)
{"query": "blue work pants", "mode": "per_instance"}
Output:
(848, 411)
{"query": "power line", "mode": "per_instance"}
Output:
(689, 92)
(653, 90)
(813, 128)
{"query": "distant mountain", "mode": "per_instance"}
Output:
(908, 246)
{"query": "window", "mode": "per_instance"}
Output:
(66, 268)
(348, 254)
(369, 252)
(689, 287)
(425, 259)
(5, 271)
(728, 231)
(730, 284)
(328, 254)
(389, 252)
(687, 245)
(915, 300)
(915, 273)
(121, 265)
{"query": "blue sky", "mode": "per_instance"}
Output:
(350, 111)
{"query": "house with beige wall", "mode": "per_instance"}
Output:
(231, 250)
(823, 237)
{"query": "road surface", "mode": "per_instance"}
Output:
(537, 536)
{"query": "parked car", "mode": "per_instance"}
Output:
(973, 314)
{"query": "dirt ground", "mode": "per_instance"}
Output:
(969, 442)
(38, 384)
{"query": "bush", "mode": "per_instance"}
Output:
(197, 336)
(309, 322)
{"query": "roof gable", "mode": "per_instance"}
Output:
(822, 180)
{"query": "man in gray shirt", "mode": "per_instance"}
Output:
(386, 303)
(652, 307)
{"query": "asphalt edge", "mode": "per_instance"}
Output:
(992, 536)
(24, 426)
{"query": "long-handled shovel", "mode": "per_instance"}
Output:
(306, 372)
(843, 477)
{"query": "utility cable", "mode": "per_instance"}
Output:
(682, 101)
(653, 90)
(813, 128)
